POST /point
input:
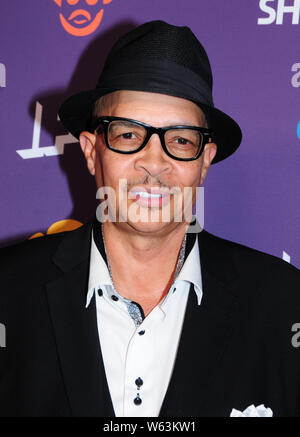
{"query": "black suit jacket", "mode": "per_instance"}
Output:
(235, 349)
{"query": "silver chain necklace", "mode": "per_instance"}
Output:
(132, 307)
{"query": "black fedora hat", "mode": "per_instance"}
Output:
(160, 58)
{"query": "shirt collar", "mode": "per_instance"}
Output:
(99, 275)
(191, 270)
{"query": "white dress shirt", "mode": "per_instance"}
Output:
(139, 360)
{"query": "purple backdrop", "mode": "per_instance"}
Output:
(251, 198)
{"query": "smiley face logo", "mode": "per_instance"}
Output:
(81, 17)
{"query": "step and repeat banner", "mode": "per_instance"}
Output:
(50, 49)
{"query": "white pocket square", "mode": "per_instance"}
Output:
(252, 411)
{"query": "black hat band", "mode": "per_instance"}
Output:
(158, 77)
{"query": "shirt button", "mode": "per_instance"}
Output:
(100, 292)
(137, 400)
(142, 332)
(139, 382)
(114, 297)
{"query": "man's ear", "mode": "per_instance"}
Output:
(87, 142)
(209, 153)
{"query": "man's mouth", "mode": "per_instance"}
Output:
(152, 196)
(148, 195)
(81, 16)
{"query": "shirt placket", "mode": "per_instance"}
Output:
(140, 368)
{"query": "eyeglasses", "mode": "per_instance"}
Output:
(123, 135)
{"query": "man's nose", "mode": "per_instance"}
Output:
(153, 158)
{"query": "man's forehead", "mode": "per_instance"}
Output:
(146, 101)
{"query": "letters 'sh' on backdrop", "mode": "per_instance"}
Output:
(54, 48)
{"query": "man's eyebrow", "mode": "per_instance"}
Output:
(169, 123)
(185, 123)
(125, 123)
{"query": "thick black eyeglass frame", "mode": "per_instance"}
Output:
(104, 123)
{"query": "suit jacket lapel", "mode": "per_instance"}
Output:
(75, 328)
(206, 332)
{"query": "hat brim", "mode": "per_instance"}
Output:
(76, 114)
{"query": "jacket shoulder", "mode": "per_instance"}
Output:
(29, 251)
(32, 258)
(253, 263)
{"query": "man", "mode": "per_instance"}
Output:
(138, 317)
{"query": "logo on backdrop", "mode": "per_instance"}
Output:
(81, 17)
(295, 81)
(60, 226)
(277, 9)
(296, 77)
(286, 257)
(38, 152)
(2, 76)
